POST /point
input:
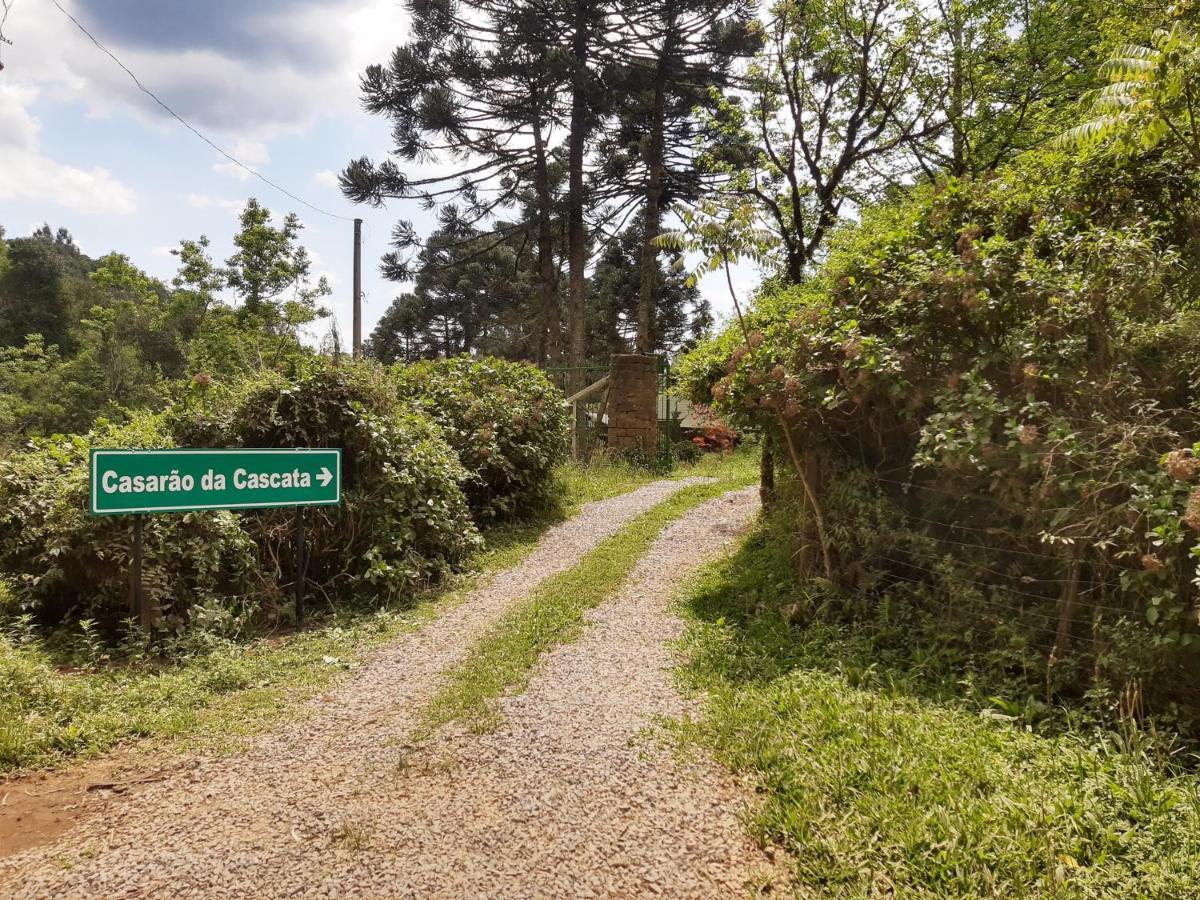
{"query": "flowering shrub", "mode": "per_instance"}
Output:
(716, 437)
(1013, 360)
(505, 420)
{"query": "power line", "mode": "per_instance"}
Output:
(184, 122)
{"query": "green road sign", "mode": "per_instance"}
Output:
(153, 481)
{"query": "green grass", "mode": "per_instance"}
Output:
(576, 484)
(213, 696)
(599, 479)
(501, 661)
(217, 693)
(877, 781)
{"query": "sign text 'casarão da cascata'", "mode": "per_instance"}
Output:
(125, 482)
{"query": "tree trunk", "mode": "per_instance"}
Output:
(958, 148)
(654, 166)
(547, 339)
(766, 472)
(576, 251)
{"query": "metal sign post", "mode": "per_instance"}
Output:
(137, 589)
(137, 482)
(301, 564)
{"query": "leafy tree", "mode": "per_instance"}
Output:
(399, 333)
(1009, 70)
(127, 340)
(36, 294)
(836, 95)
(476, 286)
(471, 295)
(198, 284)
(1153, 95)
(33, 397)
(270, 271)
(270, 274)
(682, 314)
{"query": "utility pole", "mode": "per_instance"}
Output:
(357, 345)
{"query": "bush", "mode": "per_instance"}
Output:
(403, 521)
(687, 452)
(67, 564)
(1010, 361)
(505, 420)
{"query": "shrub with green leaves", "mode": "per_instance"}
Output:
(403, 520)
(1012, 360)
(505, 420)
(66, 564)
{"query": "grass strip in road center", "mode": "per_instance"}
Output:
(500, 662)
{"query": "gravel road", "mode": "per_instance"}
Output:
(564, 799)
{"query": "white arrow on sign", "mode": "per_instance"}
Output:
(324, 476)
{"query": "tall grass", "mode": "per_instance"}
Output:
(879, 777)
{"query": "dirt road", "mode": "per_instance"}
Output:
(568, 797)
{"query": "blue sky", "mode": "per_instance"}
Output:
(273, 81)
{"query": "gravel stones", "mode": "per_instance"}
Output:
(567, 797)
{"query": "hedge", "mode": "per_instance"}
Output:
(505, 420)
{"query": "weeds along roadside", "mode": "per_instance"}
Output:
(80, 697)
(876, 770)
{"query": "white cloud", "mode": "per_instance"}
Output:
(252, 153)
(326, 178)
(27, 174)
(219, 86)
(162, 251)
(206, 201)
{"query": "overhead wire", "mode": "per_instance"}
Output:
(184, 122)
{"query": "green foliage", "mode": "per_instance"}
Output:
(212, 690)
(878, 779)
(1151, 96)
(38, 288)
(506, 422)
(34, 397)
(470, 296)
(270, 269)
(686, 452)
(1010, 360)
(682, 315)
(67, 565)
(84, 339)
(403, 520)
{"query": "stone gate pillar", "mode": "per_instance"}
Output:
(633, 403)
